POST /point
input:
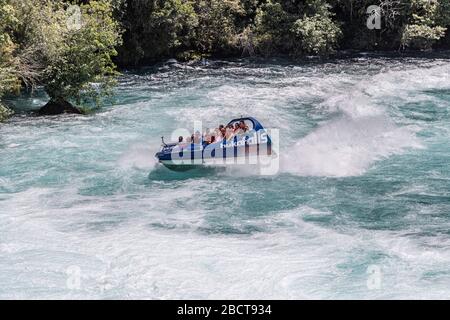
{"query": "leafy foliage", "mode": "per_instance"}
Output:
(272, 28)
(156, 29)
(8, 74)
(39, 44)
(317, 34)
(82, 67)
(421, 36)
(296, 28)
(67, 49)
(428, 20)
(217, 24)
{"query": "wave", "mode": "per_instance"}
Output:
(362, 130)
(138, 156)
(347, 147)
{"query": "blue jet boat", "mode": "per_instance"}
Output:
(244, 148)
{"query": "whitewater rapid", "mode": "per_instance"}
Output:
(86, 212)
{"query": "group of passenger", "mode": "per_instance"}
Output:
(216, 135)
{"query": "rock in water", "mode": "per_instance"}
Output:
(171, 61)
(58, 107)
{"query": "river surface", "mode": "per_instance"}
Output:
(360, 206)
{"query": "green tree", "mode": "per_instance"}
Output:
(68, 50)
(272, 29)
(155, 29)
(428, 21)
(217, 28)
(296, 27)
(316, 32)
(9, 80)
(352, 17)
(82, 69)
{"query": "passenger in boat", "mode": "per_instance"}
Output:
(218, 135)
(207, 136)
(222, 131)
(197, 137)
(229, 132)
(181, 143)
(238, 129)
(243, 126)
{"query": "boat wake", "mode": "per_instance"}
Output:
(348, 147)
(138, 156)
(362, 130)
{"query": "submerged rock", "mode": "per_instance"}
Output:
(171, 61)
(58, 107)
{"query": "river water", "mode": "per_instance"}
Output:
(360, 207)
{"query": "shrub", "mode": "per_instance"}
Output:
(421, 36)
(9, 80)
(156, 29)
(428, 20)
(272, 29)
(81, 68)
(317, 34)
(217, 30)
(5, 113)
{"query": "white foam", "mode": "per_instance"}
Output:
(347, 147)
(294, 259)
(364, 133)
(158, 239)
(368, 95)
(138, 155)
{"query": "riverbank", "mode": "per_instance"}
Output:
(217, 63)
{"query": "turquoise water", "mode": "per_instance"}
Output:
(363, 185)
